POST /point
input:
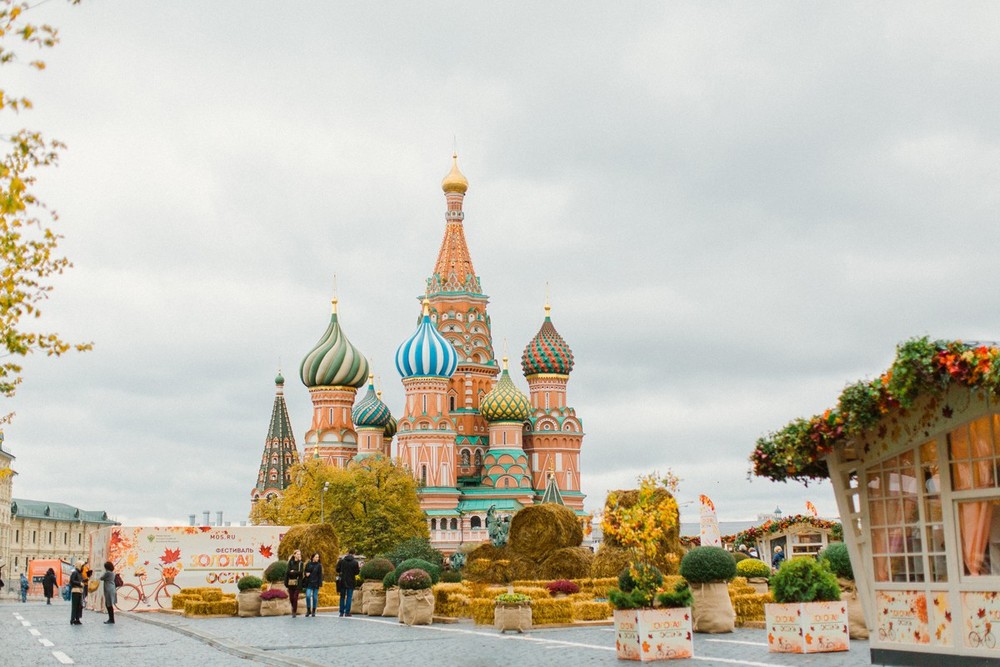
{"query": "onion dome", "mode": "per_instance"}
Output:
(370, 412)
(426, 353)
(334, 361)
(279, 379)
(390, 428)
(455, 181)
(506, 403)
(547, 352)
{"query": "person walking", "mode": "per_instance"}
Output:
(293, 577)
(348, 569)
(110, 590)
(778, 558)
(312, 577)
(49, 585)
(24, 588)
(76, 588)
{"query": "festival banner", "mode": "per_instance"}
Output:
(812, 508)
(710, 535)
(156, 562)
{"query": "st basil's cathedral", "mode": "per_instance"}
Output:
(469, 435)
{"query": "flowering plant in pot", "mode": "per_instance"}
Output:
(644, 631)
(561, 587)
(807, 615)
(512, 612)
(416, 601)
(275, 602)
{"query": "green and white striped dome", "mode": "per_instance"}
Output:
(334, 361)
(370, 412)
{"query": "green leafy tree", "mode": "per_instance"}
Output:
(372, 505)
(29, 239)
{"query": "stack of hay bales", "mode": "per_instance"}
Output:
(205, 601)
(612, 556)
(543, 544)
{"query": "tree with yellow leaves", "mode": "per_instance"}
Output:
(28, 238)
(372, 505)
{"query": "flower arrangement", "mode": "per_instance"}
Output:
(414, 580)
(645, 524)
(753, 568)
(562, 586)
(921, 367)
(512, 599)
(274, 594)
(249, 582)
(752, 535)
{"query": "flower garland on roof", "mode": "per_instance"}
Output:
(921, 367)
(754, 534)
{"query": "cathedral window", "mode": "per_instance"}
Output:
(454, 524)
(479, 458)
(423, 475)
(475, 522)
(465, 457)
(434, 524)
(546, 400)
(452, 402)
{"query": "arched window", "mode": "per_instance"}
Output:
(465, 457)
(452, 402)
(423, 475)
(454, 524)
(475, 522)
(479, 458)
(434, 524)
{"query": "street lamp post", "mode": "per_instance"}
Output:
(322, 502)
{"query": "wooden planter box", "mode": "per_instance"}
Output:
(512, 617)
(653, 634)
(807, 627)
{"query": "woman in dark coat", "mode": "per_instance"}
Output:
(293, 579)
(49, 585)
(312, 580)
(76, 595)
(110, 590)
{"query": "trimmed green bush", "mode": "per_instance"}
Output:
(390, 580)
(679, 597)
(415, 580)
(836, 557)
(751, 567)
(416, 563)
(376, 569)
(415, 547)
(276, 571)
(804, 580)
(738, 556)
(249, 582)
(451, 576)
(704, 565)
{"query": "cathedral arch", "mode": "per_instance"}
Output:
(475, 522)
(466, 457)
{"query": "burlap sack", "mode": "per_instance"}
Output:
(366, 590)
(512, 617)
(855, 614)
(760, 585)
(358, 601)
(275, 607)
(391, 602)
(248, 603)
(416, 607)
(375, 601)
(713, 610)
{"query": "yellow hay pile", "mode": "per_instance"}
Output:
(538, 530)
(311, 538)
(610, 561)
(567, 563)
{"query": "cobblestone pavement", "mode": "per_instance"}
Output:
(160, 639)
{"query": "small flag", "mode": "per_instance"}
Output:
(812, 508)
(710, 535)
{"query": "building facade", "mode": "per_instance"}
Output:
(471, 438)
(6, 490)
(44, 530)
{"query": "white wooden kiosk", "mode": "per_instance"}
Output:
(919, 496)
(797, 535)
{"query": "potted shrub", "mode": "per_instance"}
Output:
(643, 632)
(416, 601)
(248, 599)
(836, 558)
(708, 569)
(807, 615)
(274, 602)
(274, 574)
(373, 572)
(756, 572)
(391, 585)
(560, 588)
(512, 611)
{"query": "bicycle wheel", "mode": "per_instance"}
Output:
(128, 597)
(989, 640)
(165, 593)
(974, 639)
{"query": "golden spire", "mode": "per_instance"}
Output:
(455, 181)
(333, 305)
(505, 362)
(548, 308)
(427, 306)
(333, 301)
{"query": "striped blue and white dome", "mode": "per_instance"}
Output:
(370, 412)
(426, 353)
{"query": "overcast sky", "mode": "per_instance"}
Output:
(739, 208)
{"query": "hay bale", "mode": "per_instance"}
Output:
(669, 550)
(538, 530)
(567, 563)
(485, 550)
(311, 538)
(609, 561)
